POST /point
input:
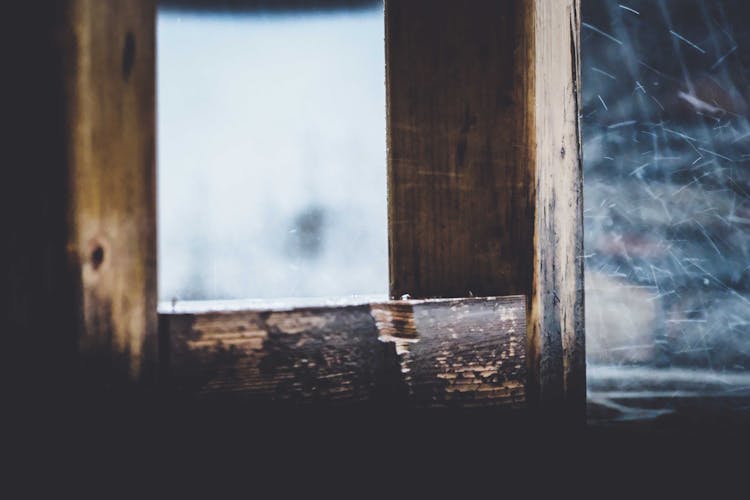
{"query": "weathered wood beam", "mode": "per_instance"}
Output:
(484, 165)
(82, 269)
(438, 353)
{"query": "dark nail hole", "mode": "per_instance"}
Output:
(128, 55)
(97, 257)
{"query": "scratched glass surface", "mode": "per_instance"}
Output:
(667, 206)
(271, 156)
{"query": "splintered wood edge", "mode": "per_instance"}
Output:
(463, 352)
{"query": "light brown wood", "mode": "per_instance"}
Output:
(83, 253)
(484, 165)
(556, 325)
(112, 96)
(440, 353)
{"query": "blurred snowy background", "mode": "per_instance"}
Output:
(272, 154)
(667, 197)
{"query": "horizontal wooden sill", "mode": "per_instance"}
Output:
(463, 352)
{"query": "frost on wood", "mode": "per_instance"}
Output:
(434, 353)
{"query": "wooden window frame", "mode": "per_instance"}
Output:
(484, 207)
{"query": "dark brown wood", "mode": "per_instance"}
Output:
(460, 147)
(484, 165)
(440, 353)
(83, 254)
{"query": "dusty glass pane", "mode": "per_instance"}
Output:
(667, 205)
(271, 154)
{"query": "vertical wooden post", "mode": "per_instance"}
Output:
(484, 165)
(113, 209)
(82, 266)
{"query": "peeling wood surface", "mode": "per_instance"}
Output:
(439, 353)
(484, 164)
(556, 325)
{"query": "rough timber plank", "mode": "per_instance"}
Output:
(484, 166)
(84, 174)
(449, 353)
(557, 353)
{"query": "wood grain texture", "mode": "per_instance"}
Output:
(444, 353)
(112, 95)
(556, 325)
(460, 147)
(82, 185)
(484, 165)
